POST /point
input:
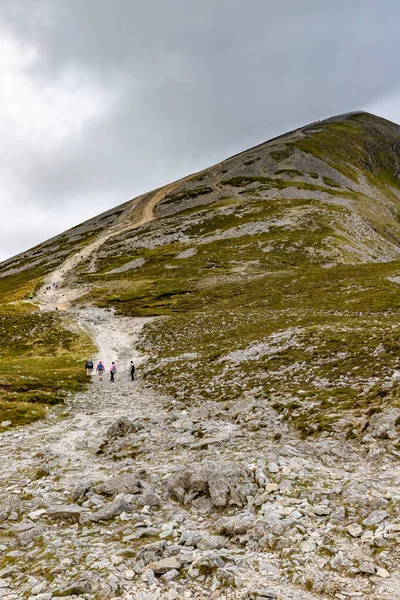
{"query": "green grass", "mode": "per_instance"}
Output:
(41, 361)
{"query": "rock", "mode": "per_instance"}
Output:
(129, 575)
(70, 512)
(383, 424)
(145, 494)
(226, 483)
(121, 427)
(263, 593)
(212, 542)
(321, 510)
(120, 484)
(10, 506)
(308, 546)
(375, 517)
(272, 467)
(5, 424)
(367, 567)
(170, 575)
(236, 525)
(381, 572)
(355, 530)
(190, 538)
(26, 537)
(173, 595)
(164, 565)
(75, 587)
(36, 514)
(80, 490)
(122, 503)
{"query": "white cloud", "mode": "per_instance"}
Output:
(387, 107)
(39, 117)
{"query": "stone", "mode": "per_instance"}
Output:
(263, 593)
(190, 538)
(122, 503)
(272, 467)
(212, 542)
(367, 567)
(236, 525)
(75, 587)
(308, 546)
(36, 514)
(375, 517)
(225, 483)
(381, 572)
(321, 510)
(129, 574)
(170, 575)
(164, 565)
(120, 484)
(65, 512)
(121, 427)
(355, 530)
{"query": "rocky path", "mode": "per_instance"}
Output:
(126, 493)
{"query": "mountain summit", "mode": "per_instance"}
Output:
(260, 301)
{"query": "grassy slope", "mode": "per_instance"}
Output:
(318, 327)
(291, 247)
(41, 360)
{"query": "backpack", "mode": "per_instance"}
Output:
(114, 370)
(89, 364)
(100, 367)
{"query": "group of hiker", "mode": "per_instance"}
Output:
(100, 370)
(54, 285)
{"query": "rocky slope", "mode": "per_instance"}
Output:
(257, 455)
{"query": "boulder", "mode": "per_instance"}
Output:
(122, 503)
(235, 525)
(225, 483)
(164, 565)
(61, 512)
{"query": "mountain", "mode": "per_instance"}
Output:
(277, 268)
(262, 295)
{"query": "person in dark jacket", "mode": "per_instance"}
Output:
(89, 366)
(132, 371)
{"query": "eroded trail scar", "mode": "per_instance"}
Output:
(62, 296)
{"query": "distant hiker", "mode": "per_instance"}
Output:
(113, 370)
(132, 371)
(100, 370)
(88, 366)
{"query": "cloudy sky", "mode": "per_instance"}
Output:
(102, 100)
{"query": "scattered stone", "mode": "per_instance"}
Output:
(71, 512)
(375, 517)
(163, 566)
(355, 530)
(367, 567)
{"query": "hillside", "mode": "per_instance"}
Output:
(262, 297)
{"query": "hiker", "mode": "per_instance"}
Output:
(88, 366)
(132, 371)
(113, 370)
(100, 370)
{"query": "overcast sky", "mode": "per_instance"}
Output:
(101, 100)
